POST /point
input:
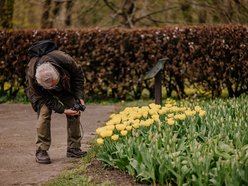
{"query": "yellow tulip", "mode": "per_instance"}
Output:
(138, 115)
(175, 109)
(124, 118)
(170, 115)
(170, 122)
(168, 105)
(110, 127)
(145, 114)
(100, 141)
(129, 128)
(136, 125)
(116, 120)
(120, 127)
(146, 123)
(156, 118)
(190, 113)
(110, 122)
(197, 108)
(181, 116)
(112, 115)
(182, 109)
(98, 130)
(202, 113)
(106, 133)
(115, 137)
(150, 121)
(124, 132)
(153, 112)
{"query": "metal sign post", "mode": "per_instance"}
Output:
(156, 72)
(158, 88)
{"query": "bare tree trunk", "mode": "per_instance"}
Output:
(69, 5)
(56, 19)
(1, 7)
(202, 16)
(229, 10)
(6, 13)
(186, 9)
(45, 21)
(57, 8)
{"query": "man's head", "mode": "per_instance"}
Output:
(47, 76)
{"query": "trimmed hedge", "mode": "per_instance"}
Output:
(115, 60)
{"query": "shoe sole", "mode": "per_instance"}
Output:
(42, 162)
(71, 155)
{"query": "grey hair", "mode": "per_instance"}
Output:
(46, 74)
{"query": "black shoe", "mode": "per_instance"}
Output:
(75, 153)
(42, 157)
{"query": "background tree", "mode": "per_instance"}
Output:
(125, 13)
(45, 21)
(56, 13)
(6, 13)
(68, 12)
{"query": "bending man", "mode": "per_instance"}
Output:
(55, 83)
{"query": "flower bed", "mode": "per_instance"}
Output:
(183, 145)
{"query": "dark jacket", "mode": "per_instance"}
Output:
(71, 80)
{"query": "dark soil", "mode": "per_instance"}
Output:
(99, 174)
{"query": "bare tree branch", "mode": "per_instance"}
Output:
(92, 7)
(153, 13)
(126, 12)
(239, 4)
(111, 6)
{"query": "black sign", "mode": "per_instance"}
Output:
(155, 69)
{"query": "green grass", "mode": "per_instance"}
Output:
(77, 176)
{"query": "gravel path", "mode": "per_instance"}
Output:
(17, 143)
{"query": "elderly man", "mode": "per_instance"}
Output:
(55, 83)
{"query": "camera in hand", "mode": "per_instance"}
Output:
(78, 106)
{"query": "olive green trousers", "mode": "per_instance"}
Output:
(43, 141)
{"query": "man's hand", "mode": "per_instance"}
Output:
(82, 101)
(71, 112)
